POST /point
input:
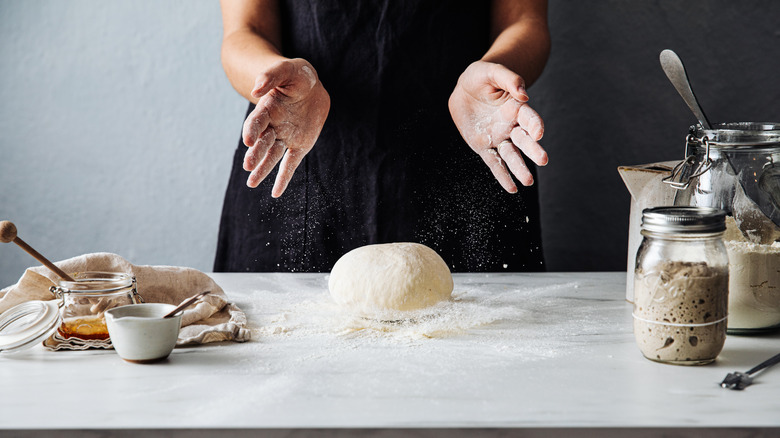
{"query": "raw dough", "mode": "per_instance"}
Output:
(390, 277)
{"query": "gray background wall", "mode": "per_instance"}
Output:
(117, 125)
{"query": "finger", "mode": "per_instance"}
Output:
(530, 121)
(274, 77)
(505, 79)
(496, 166)
(528, 146)
(292, 158)
(255, 124)
(256, 152)
(514, 160)
(267, 164)
(263, 84)
(267, 81)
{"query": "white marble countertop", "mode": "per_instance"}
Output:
(512, 351)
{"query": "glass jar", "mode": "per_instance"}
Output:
(74, 320)
(736, 167)
(86, 299)
(681, 285)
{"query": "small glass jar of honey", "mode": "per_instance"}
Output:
(86, 299)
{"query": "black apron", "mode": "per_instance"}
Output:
(389, 165)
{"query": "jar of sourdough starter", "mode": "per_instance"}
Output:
(681, 285)
(85, 300)
(736, 167)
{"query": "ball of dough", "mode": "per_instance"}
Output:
(390, 277)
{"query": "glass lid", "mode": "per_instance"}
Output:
(23, 325)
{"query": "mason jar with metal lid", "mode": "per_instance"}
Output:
(736, 167)
(681, 285)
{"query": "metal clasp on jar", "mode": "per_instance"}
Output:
(690, 167)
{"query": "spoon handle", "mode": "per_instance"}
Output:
(8, 233)
(765, 364)
(675, 71)
(188, 302)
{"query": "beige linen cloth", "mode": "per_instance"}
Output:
(212, 319)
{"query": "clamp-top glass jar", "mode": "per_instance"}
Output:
(736, 167)
(86, 299)
(681, 285)
(74, 320)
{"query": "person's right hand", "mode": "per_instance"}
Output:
(490, 108)
(286, 121)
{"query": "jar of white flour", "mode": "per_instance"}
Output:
(736, 167)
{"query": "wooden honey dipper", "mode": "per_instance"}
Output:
(8, 234)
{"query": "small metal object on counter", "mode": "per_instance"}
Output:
(187, 303)
(681, 285)
(739, 381)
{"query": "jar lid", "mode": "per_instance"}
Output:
(684, 219)
(26, 324)
(740, 135)
(96, 282)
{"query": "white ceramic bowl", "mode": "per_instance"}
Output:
(139, 332)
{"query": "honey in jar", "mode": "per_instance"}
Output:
(86, 299)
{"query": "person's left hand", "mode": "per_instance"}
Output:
(489, 107)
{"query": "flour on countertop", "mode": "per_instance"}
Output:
(488, 317)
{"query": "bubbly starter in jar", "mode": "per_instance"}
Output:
(681, 282)
(680, 311)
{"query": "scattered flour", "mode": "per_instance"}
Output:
(487, 316)
(309, 74)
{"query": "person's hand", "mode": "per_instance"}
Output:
(489, 107)
(286, 121)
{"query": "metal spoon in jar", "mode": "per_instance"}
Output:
(754, 223)
(675, 71)
(188, 302)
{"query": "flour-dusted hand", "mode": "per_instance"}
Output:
(291, 109)
(489, 107)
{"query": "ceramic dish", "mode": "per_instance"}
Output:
(139, 332)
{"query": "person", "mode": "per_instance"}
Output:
(384, 121)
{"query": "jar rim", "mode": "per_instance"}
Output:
(96, 282)
(682, 236)
(748, 135)
(683, 220)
